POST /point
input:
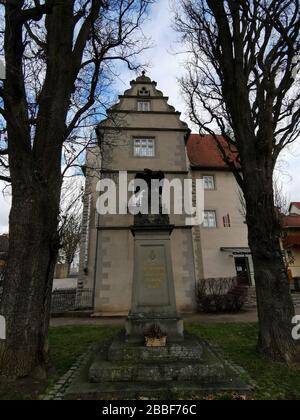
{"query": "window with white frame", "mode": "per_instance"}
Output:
(209, 182)
(210, 219)
(143, 106)
(144, 147)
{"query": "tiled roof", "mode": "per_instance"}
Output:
(296, 204)
(203, 152)
(291, 222)
(291, 240)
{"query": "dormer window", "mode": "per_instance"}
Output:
(143, 106)
(144, 91)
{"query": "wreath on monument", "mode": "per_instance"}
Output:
(155, 336)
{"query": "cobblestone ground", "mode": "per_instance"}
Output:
(58, 391)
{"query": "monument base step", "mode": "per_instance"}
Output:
(171, 363)
(169, 378)
(103, 371)
(188, 350)
(82, 390)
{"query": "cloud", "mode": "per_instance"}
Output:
(166, 68)
(289, 171)
(5, 201)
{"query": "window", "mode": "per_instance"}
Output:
(226, 221)
(209, 182)
(144, 148)
(143, 106)
(210, 219)
(144, 91)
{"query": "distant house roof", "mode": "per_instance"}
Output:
(291, 240)
(295, 204)
(3, 244)
(203, 152)
(291, 222)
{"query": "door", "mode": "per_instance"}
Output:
(242, 270)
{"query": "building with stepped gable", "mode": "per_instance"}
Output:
(143, 131)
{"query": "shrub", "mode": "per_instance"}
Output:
(216, 295)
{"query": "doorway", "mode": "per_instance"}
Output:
(242, 270)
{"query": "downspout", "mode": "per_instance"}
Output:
(96, 262)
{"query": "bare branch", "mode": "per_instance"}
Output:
(84, 33)
(5, 179)
(34, 13)
(34, 37)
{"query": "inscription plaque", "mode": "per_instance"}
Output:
(153, 276)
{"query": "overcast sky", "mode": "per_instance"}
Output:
(166, 67)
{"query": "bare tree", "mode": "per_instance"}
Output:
(59, 58)
(241, 83)
(281, 200)
(70, 220)
(70, 239)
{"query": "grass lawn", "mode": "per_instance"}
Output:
(66, 345)
(238, 342)
(274, 380)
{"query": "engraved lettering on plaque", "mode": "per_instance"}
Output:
(154, 273)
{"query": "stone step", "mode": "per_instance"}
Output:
(104, 371)
(251, 300)
(206, 366)
(173, 390)
(189, 350)
(99, 378)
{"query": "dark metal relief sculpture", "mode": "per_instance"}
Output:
(151, 219)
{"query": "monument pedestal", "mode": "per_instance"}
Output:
(129, 362)
(136, 326)
(126, 368)
(153, 293)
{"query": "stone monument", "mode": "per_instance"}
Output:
(153, 292)
(125, 367)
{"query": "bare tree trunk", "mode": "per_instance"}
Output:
(36, 183)
(32, 257)
(242, 74)
(53, 76)
(275, 306)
